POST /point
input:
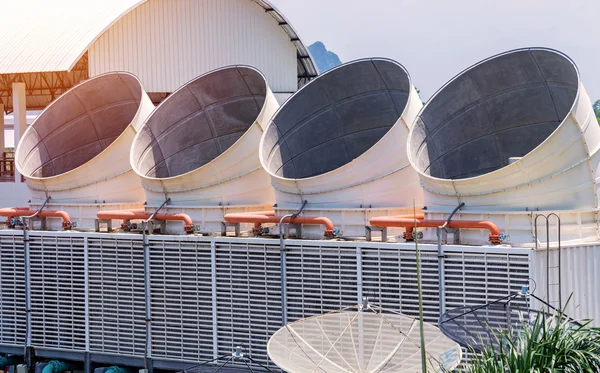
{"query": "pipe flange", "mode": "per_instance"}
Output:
(410, 236)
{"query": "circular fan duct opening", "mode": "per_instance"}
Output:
(79, 125)
(335, 119)
(199, 122)
(501, 108)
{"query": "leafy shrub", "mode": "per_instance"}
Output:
(550, 345)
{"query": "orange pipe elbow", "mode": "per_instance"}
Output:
(25, 211)
(140, 214)
(259, 218)
(409, 222)
(189, 224)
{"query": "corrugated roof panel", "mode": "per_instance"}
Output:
(307, 69)
(167, 43)
(42, 35)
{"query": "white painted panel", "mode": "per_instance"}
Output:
(167, 43)
(580, 279)
(9, 140)
(13, 194)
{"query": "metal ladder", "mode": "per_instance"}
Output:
(551, 266)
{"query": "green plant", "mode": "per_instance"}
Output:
(546, 346)
(420, 293)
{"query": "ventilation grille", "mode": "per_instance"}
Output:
(116, 299)
(320, 280)
(390, 280)
(57, 292)
(248, 298)
(182, 326)
(479, 278)
(245, 290)
(12, 290)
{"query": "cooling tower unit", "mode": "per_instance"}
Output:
(77, 149)
(200, 148)
(512, 136)
(339, 144)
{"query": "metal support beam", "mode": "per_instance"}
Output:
(147, 290)
(215, 324)
(441, 271)
(359, 278)
(28, 349)
(20, 116)
(2, 140)
(86, 281)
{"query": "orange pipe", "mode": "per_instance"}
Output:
(265, 213)
(22, 211)
(409, 222)
(257, 226)
(140, 214)
(258, 219)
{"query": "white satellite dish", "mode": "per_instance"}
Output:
(361, 340)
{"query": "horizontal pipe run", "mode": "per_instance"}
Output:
(265, 213)
(13, 212)
(269, 217)
(140, 214)
(409, 222)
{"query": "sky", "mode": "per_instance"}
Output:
(437, 39)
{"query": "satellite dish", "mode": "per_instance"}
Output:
(360, 339)
(477, 327)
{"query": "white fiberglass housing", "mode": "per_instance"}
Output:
(512, 134)
(77, 149)
(338, 143)
(200, 146)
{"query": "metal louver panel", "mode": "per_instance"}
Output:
(390, 280)
(116, 300)
(181, 300)
(248, 297)
(57, 292)
(209, 295)
(320, 279)
(12, 290)
(477, 278)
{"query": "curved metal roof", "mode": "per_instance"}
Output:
(44, 44)
(307, 69)
(46, 36)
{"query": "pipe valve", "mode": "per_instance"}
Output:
(67, 225)
(337, 232)
(132, 226)
(191, 228)
(410, 235)
(503, 237)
